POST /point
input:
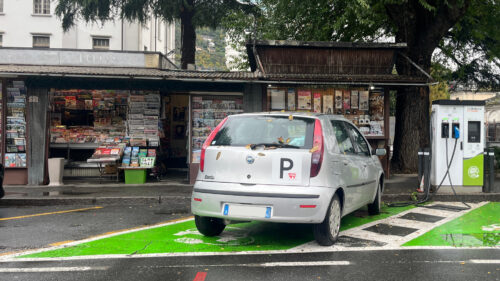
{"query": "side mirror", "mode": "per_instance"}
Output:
(380, 152)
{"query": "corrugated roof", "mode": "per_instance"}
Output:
(326, 44)
(125, 72)
(169, 74)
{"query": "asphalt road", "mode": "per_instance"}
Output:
(24, 228)
(448, 264)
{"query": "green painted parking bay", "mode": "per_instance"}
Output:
(183, 237)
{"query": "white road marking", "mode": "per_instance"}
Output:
(53, 269)
(98, 237)
(317, 249)
(267, 264)
(309, 247)
(409, 223)
(485, 261)
(311, 263)
(434, 212)
(393, 240)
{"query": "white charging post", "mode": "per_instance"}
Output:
(458, 131)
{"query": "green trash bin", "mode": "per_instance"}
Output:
(135, 176)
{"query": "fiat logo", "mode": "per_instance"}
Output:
(250, 159)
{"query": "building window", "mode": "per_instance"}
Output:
(100, 43)
(41, 41)
(159, 29)
(1, 40)
(1, 6)
(41, 7)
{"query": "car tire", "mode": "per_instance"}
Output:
(374, 208)
(209, 226)
(327, 232)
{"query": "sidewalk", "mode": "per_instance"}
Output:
(398, 188)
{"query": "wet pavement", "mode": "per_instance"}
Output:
(435, 264)
(20, 230)
(142, 242)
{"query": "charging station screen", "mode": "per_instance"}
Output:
(474, 131)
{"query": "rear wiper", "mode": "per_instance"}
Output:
(280, 145)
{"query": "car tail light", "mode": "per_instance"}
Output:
(207, 143)
(318, 149)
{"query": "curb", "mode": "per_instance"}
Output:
(473, 198)
(145, 200)
(90, 201)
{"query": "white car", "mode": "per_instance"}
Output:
(286, 167)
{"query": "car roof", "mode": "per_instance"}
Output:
(298, 114)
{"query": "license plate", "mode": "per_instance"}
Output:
(247, 211)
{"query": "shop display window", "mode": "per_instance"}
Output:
(111, 123)
(206, 113)
(15, 127)
(362, 107)
(88, 116)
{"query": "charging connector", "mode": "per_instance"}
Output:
(445, 130)
(455, 130)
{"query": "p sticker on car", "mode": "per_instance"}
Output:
(287, 169)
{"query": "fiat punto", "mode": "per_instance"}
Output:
(288, 168)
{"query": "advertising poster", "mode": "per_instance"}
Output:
(354, 99)
(377, 106)
(317, 102)
(338, 99)
(347, 100)
(363, 100)
(291, 99)
(328, 104)
(277, 99)
(304, 99)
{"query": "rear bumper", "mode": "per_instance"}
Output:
(286, 201)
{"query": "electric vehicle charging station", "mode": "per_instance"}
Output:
(458, 142)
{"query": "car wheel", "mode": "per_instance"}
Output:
(374, 208)
(209, 226)
(327, 232)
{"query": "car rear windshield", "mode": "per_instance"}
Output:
(266, 130)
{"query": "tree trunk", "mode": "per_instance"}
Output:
(421, 29)
(412, 112)
(188, 36)
(412, 127)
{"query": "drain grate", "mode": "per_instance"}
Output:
(446, 207)
(388, 229)
(421, 217)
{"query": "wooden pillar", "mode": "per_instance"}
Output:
(252, 98)
(38, 101)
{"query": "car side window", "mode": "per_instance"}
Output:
(359, 141)
(343, 139)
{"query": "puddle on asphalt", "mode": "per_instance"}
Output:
(68, 192)
(472, 239)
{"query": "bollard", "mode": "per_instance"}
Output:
(420, 164)
(486, 172)
(491, 169)
(427, 168)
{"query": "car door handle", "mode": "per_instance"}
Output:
(345, 163)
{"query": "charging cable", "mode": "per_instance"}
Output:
(448, 165)
(428, 196)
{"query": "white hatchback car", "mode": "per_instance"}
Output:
(286, 167)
